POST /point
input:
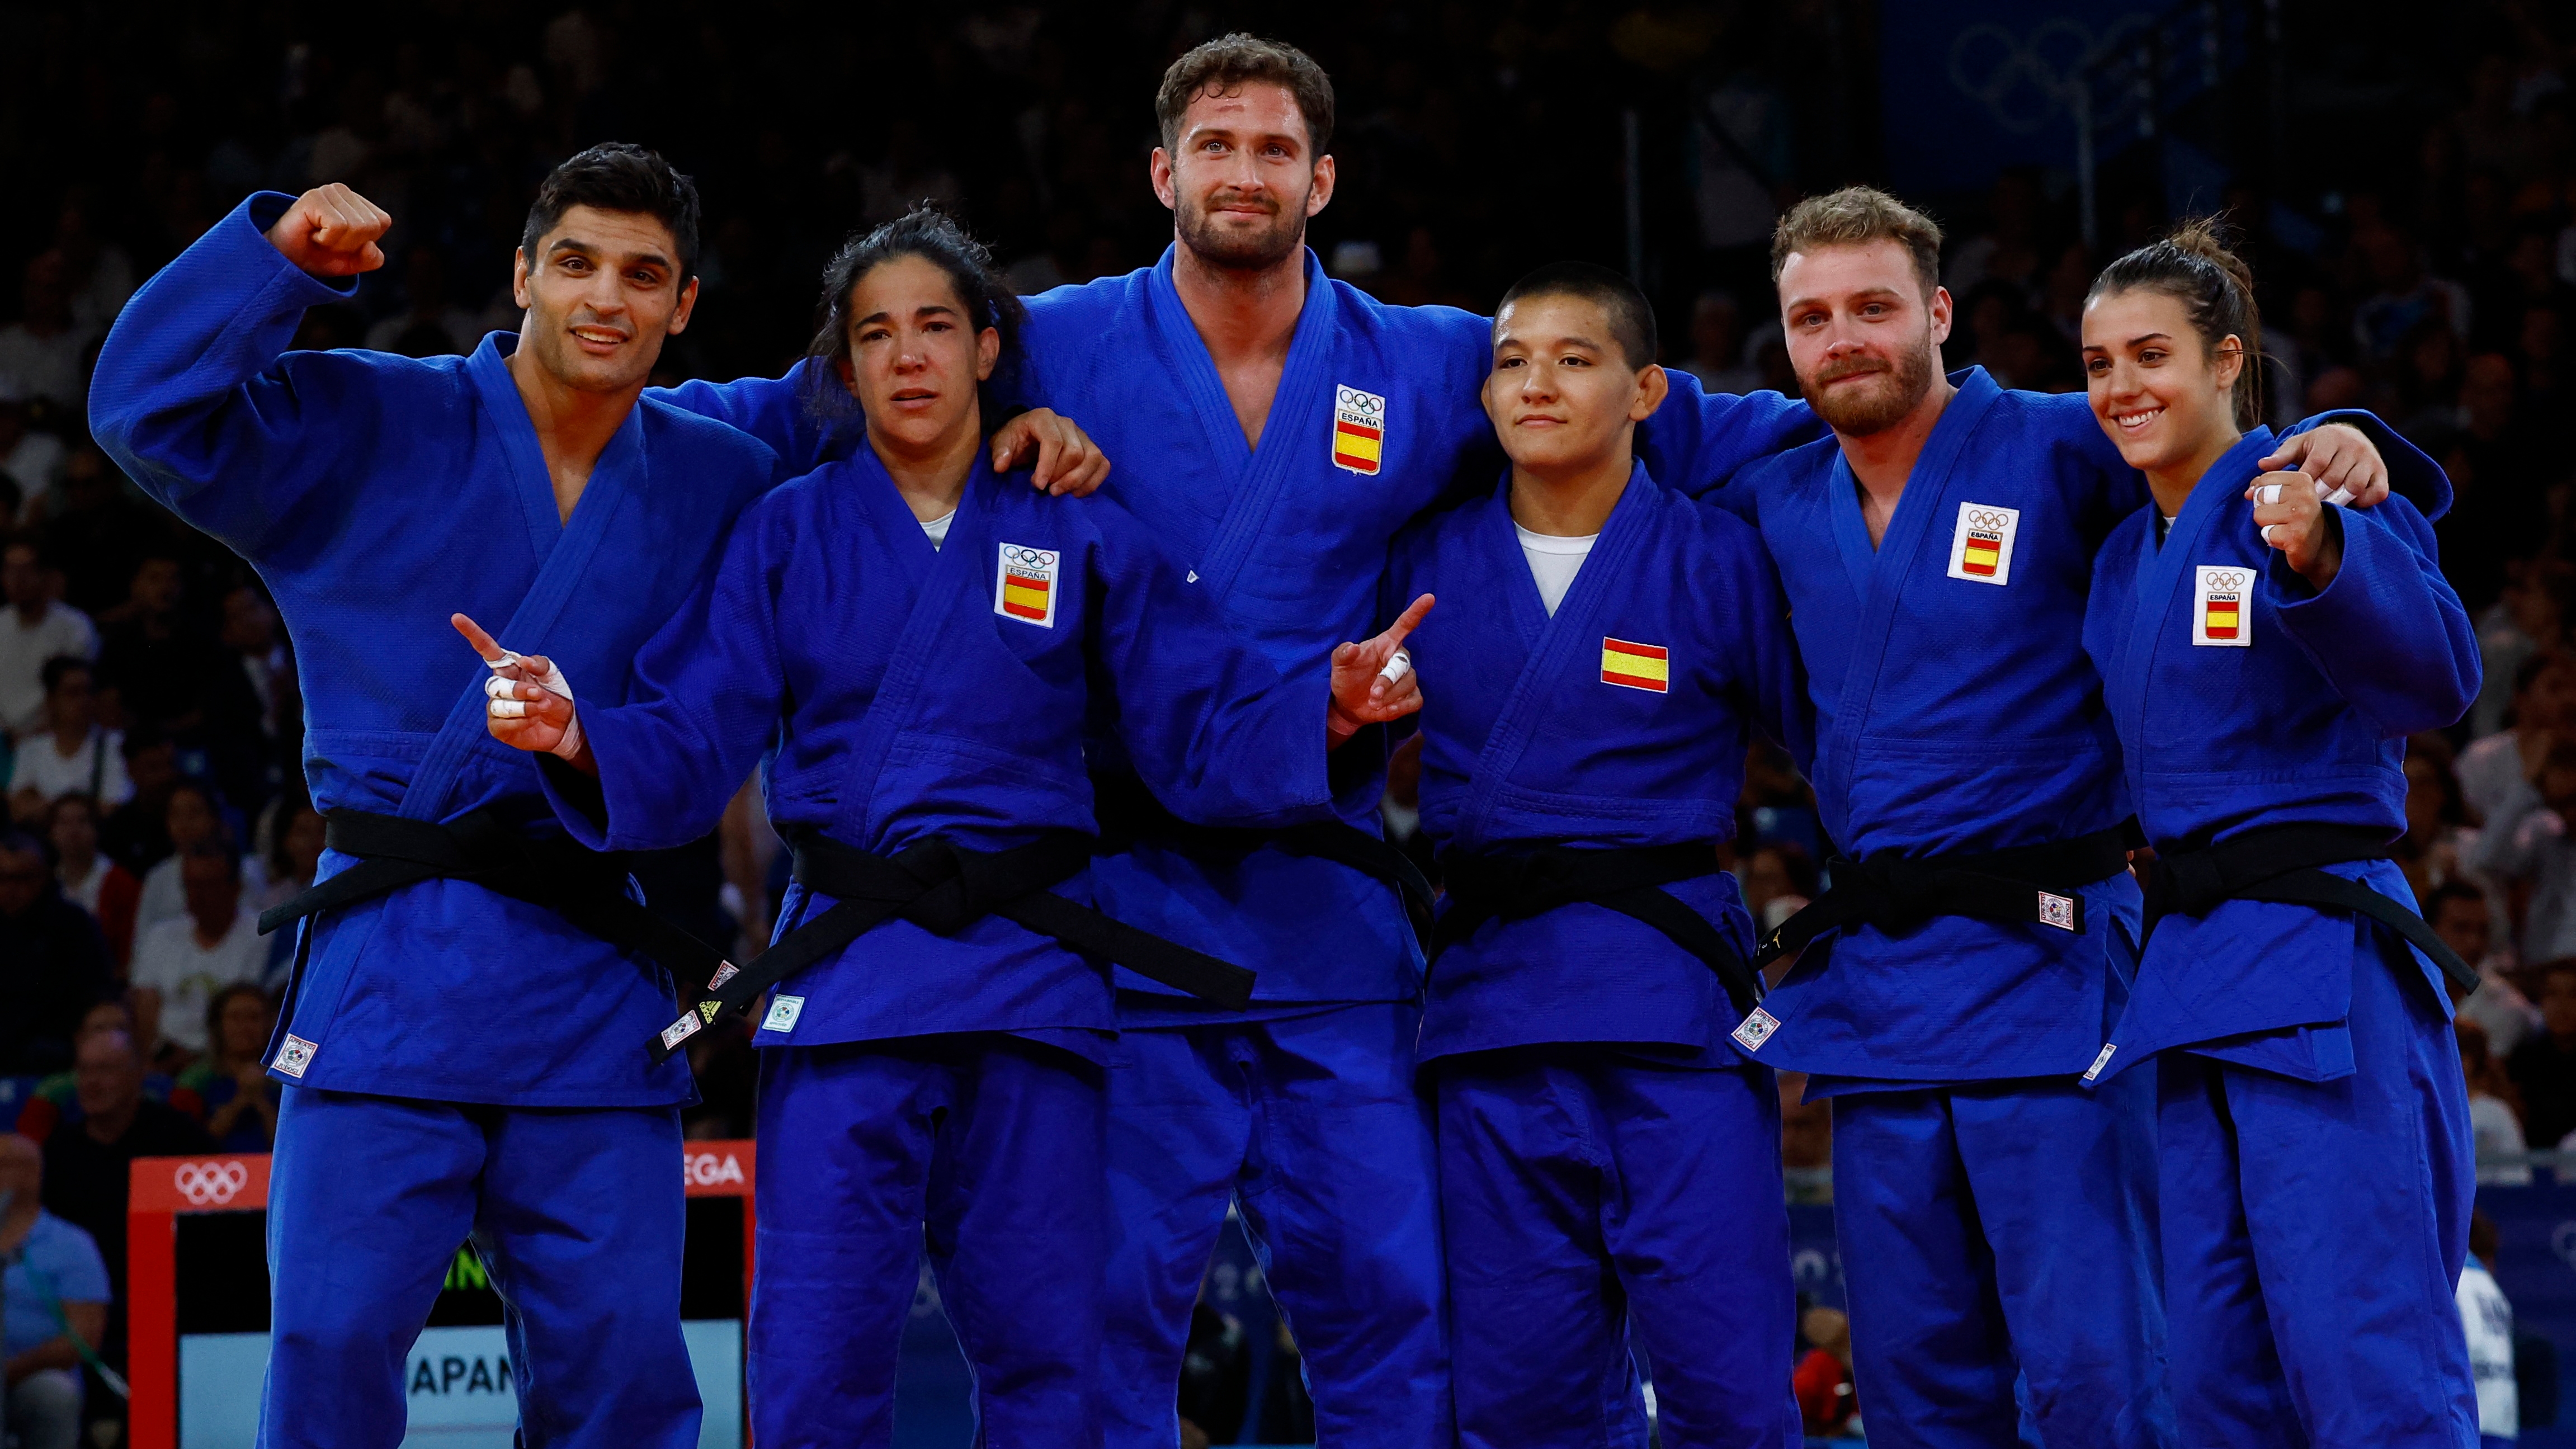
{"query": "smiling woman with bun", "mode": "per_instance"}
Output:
(2265, 652)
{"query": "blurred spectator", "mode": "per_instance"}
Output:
(89, 1165)
(37, 627)
(56, 1293)
(32, 459)
(428, 325)
(2488, 1318)
(2437, 831)
(2544, 707)
(1216, 1376)
(2405, 296)
(159, 662)
(1717, 345)
(2498, 471)
(99, 532)
(2526, 845)
(1779, 881)
(251, 702)
(1806, 1142)
(180, 965)
(231, 1079)
(97, 275)
(41, 351)
(193, 816)
(53, 961)
(89, 879)
(1828, 1396)
(2494, 1125)
(2543, 1068)
(294, 859)
(2461, 916)
(137, 832)
(77, 755)
(56, 1098)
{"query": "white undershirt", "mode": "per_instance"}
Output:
(1553, 562)
(937, 528)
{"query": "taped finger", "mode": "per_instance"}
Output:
(1397, 666)
(2338, 497)
(508, 709)
(2269, 493)
(2267, 531)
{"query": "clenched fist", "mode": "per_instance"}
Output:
(331, 231)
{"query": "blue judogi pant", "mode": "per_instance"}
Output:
(1584, 1190)
(578, 1213)
(2000, 1229)
(991, 1142)
(2313, 1236)
(1312, 1127)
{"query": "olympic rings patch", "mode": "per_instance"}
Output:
(209, 1184)
(1981, 548)
(2222, 606)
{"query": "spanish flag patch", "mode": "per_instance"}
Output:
(1024, 585)
(1359, 429)
(2222, 605)
(1636, 666)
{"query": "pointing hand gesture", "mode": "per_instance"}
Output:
(1374, 682)
(332, 231)
(530, 705)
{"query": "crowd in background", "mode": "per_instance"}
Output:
(150, 723)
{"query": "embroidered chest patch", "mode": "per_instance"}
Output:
(1024, 587)
(1636, 666)
(1981, 549)
(2222, 605)
(1359, 429)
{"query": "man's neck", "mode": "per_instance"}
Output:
(1573, 502)
(76, 872)
(1883, 460)
(208, 942)
(109, 1126)
(1246, 319)
(31, 614)
(573, 426)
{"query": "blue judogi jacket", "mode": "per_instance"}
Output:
(374, 495)
(1543, 730)
(912, 693)
(2245, 698)
(1378, 415)
(1957, 712)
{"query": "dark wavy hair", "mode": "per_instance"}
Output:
(2194, 267)
(616, 176)
(937, 238)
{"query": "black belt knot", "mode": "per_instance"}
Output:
(944, 888)
(1519, 884)
(2280, 864)
(2037, 884)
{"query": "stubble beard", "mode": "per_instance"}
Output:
(1237, 251)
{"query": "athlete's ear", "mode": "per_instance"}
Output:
(2229, 361)
(519, 279)
(988, 352)
(1940, 315)
(688, 303)
(1320, 195)
(1652, 388)
(1159, 168)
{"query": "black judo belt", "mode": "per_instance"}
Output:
(2038, 884)
(1520, 885)
(1128, 812)
(2279, 864)
(944, 889)
(586, 887)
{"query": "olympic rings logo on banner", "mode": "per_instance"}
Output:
(1036, 558)
(210, 1184)
(2224, 579)
(1363, 402)
(2014, 71)
(1987, 518)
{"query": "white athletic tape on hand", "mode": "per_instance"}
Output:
(2267, 531)
(2339, 497)
(552, 681)
(1397, 666)
(2268, 494)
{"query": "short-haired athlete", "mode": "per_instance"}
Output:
(1273, 428)
(925, 642)
(1609, 1159)
(1979, 935)
(439, 1088)
(2264, 656)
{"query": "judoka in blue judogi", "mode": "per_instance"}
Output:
(1609, 1160)
(457, 1059)
(2264, 657)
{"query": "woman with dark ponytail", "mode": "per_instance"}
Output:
(2265, 652)
(924, 644)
